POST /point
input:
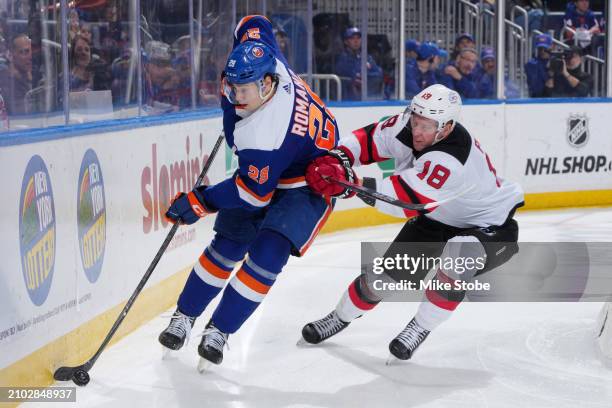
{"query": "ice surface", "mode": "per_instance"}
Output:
(487, 355)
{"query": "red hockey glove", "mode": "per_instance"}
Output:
(335, 164)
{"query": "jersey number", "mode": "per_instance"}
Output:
(260, 176)
(438, 176)
(389, 122)
(322, 131)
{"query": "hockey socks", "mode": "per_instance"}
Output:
(429, 316)
(353, 303)
(248, 288)
(438, 306)
(209, 275)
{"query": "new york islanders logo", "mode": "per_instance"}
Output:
(91, 215)
(257, 52)
(37, 230)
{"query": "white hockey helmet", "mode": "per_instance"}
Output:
(439, 103)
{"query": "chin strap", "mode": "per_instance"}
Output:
(269, 94)
(437, 138)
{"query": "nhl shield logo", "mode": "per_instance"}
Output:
(577, 130)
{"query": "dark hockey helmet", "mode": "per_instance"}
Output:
(249, 62)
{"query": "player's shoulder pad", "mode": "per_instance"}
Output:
(393, 124)
(439, 157)
(457, 144)
(254, 27)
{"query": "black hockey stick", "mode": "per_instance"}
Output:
(79, 374)
(370, 193)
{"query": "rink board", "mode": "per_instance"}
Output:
(82, 215)
(82, 220)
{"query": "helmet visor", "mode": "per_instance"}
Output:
(423, 124)
(229, 91)
(242, 94)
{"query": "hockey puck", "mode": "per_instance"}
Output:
(80, 378)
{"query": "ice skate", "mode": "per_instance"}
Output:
(177, 332)
(404, 345)
(322, 329)
(211, 347)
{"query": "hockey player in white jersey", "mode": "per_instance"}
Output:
(436, 159)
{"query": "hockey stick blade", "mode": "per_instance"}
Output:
(68, 373)
(368, 192)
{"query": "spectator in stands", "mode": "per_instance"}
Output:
(328, 29)
(208, 88)
(486, 80)
(120, 69)
(282, 39)
(113, 36)
(440, 63)
(411, 48)
(488, 74)
(461, 75)
(181, 64)
(348, 67)
(462, 41)
(74, 25)
(85, 32)
(81, 76)
(486, 4)
(566, 78)
(537, 67)
(16, 80)
(161, 80)
(582, 20)
(535, 13)
(421, 74)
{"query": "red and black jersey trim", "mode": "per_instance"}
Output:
(369, 152)
(406, 193)
(405, 136)
(412, 194)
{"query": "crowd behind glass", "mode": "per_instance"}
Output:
(123, 62)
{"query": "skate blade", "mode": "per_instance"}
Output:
(391, 360)
(166, 353)
(204, 365)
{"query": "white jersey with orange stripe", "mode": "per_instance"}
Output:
(275, 143)
(454, 167)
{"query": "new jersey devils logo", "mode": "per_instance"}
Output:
(257, 52)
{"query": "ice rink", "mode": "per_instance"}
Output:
(488, 354)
